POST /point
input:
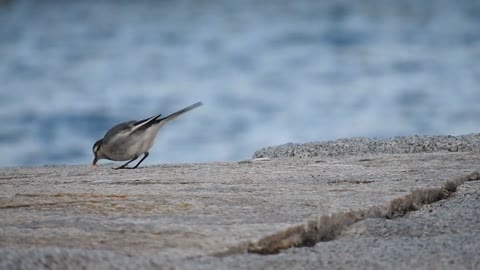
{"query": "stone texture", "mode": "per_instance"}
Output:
(216, 215)
(367, 146)
(442, 235)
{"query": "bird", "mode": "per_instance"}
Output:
(132, 139)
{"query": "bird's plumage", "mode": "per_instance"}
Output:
(131, 139)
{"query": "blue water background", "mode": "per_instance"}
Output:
(269, 72)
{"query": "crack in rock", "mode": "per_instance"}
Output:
(326, 228)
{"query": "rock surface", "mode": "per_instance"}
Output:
(442, 235)
(350, 211)
(362, 146)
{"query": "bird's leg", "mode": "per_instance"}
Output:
(124, 166)
(144, 157)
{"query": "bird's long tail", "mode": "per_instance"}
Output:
(180, 112)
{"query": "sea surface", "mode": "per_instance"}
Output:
(268, 72)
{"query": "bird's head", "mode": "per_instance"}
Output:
(97, 152)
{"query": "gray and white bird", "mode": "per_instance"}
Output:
(131, 139)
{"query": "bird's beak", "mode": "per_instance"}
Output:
(95, 160)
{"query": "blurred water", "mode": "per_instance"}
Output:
(269, 72)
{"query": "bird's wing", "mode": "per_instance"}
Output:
(127, 128)
(145, 123)
(120, 129)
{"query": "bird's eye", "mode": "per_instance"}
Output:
(95, 148)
